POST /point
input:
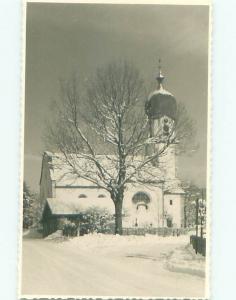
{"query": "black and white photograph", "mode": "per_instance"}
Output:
(115, 179)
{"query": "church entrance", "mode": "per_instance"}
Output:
(141, 203)
(169, 222)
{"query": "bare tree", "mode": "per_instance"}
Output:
(111, 117)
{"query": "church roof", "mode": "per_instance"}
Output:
(65, 175)
(161, 102)
(73, 206)
(175, 190)
(160, 91)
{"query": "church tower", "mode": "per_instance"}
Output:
(161, 110)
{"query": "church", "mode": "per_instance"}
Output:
(66, 196)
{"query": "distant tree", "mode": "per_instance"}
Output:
(27, 207)
(31, 207)
(110, 117)
(192, 193)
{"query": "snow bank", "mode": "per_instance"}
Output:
(110, 243)
(56, 236)
(185, 260)
(32, 233)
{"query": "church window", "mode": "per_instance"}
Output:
(101, 196)
(166, 129)
(141, 197)
(171, 202)
(166, 120)
(82, 196)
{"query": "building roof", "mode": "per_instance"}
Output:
(65, 175)
(175, 190)
(76, 206)
(161, 102)
(173, 187)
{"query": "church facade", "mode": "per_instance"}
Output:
(144, 206)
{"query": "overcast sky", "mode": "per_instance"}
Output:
(63, 38)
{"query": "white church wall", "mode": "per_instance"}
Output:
(174, 209)
(141, 217)
(132, 216)
(87, 197)
(167, 161)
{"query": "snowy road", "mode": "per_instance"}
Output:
(116, 269)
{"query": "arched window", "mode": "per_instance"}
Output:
(82, 196)
(141, 197)
(101, 196)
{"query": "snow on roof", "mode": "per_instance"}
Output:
(65, 175)
(73, 206)
(173, 186)
(160, 91)
(175, 190)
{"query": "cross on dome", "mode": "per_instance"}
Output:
(160, 77)
(160, 102)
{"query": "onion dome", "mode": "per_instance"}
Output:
(160, 102)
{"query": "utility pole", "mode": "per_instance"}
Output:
(163, 207)
(202, 214)
(197, 209)
(186, 199)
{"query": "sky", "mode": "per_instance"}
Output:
(65, 38)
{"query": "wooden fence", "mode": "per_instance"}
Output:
(155, 231)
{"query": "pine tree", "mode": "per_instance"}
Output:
(30, 207)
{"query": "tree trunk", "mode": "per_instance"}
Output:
(118, 213)
(118, 218)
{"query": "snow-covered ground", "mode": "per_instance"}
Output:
(185, 260)
(106, 265)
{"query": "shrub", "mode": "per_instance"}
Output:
(69, 228)
(96, 220)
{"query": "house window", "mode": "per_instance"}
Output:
(82, 196)
(101, 196)
(171, 202)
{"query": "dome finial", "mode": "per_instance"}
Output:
(160, 76)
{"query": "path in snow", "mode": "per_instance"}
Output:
(97, 268)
